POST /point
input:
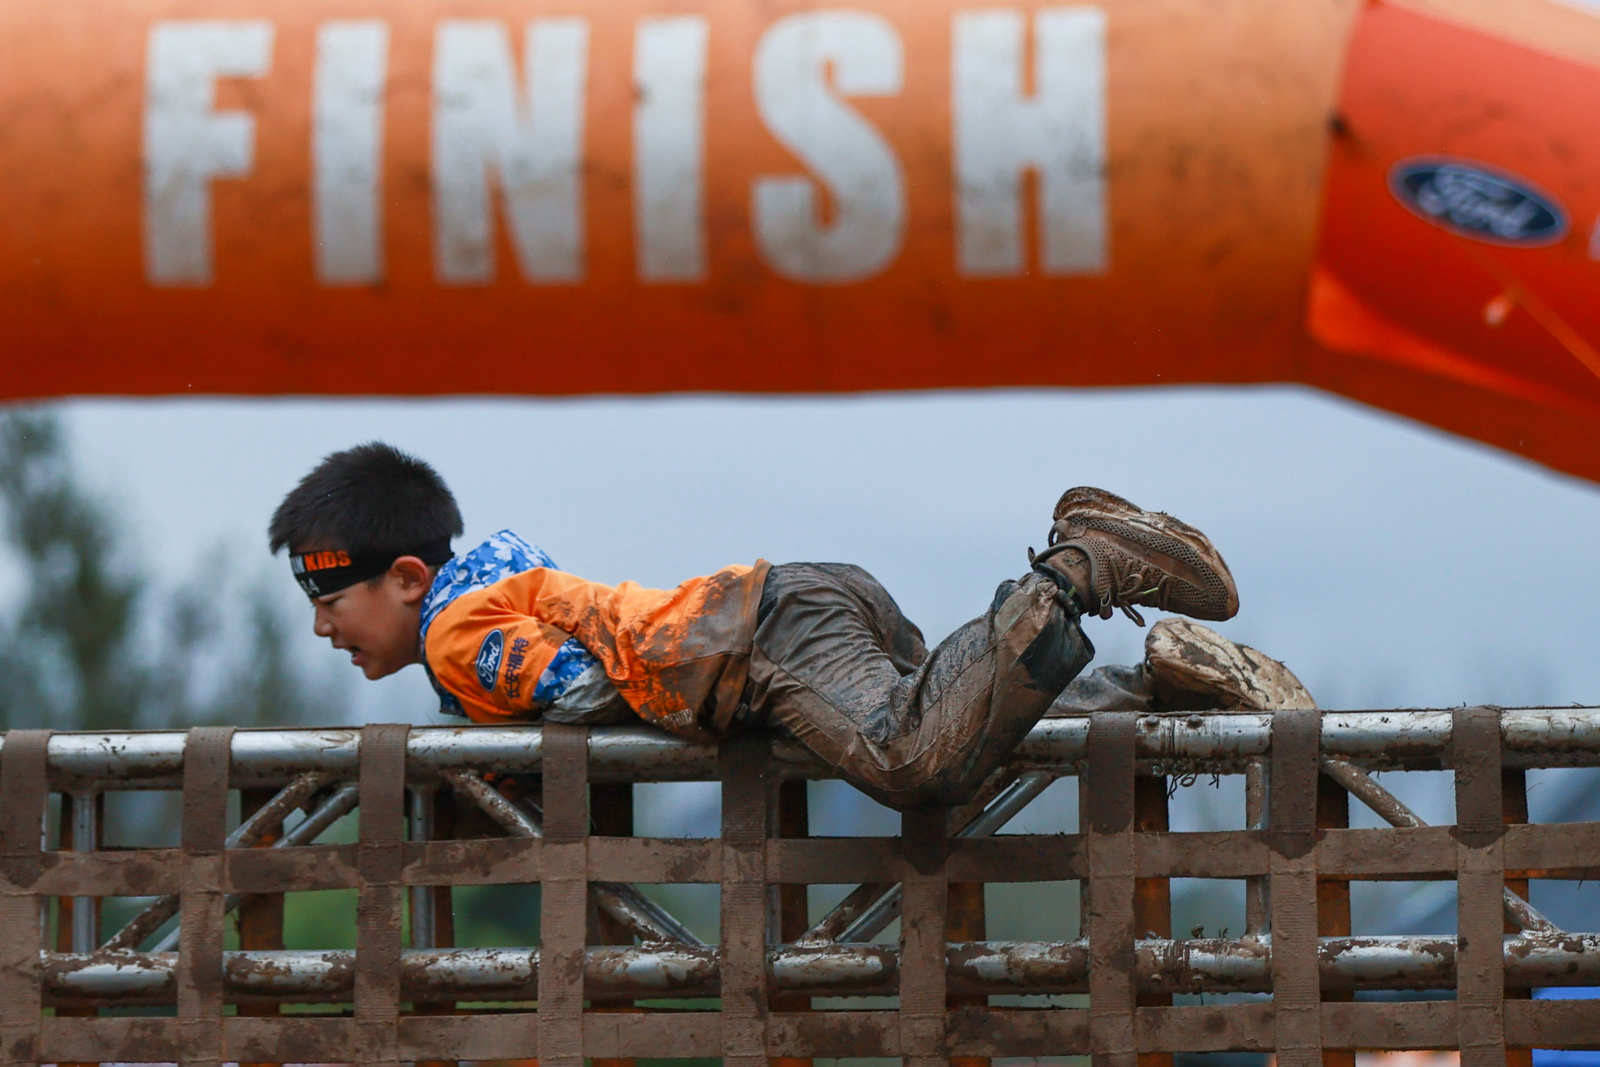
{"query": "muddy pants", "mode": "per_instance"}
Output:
(838, 667)
(1112, 689)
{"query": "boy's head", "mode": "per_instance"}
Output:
(365, 530)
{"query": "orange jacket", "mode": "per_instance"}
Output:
(678, 657)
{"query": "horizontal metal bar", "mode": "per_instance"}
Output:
(1161, 966)
(1199, 741)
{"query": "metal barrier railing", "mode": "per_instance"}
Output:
(430, 820)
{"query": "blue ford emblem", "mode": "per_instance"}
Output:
(1475, 202)
(488, 663)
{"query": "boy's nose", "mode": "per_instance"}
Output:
(320, 624)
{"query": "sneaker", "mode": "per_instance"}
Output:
(1116, 555)
(1192, 668)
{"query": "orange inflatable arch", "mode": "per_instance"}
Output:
(1394, 201)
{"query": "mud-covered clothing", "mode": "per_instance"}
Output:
(837, 665)
(818, 649)
(506, 636)
(1115, 688)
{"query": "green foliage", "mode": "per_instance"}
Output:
(88, 641)
(66, 648)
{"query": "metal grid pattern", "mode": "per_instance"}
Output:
(401, 1003)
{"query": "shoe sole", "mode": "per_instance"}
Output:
(1187, 660)
(1088, 498)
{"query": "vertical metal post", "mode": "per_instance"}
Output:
(965, 920)
(1083, 831)
(1256, 902)
(611, 813)
(793, 820)
(1333, 896)
(44, 846)
(260, 915)
(78, 918)
(85, 838)
(429, 817)
(419, 827)
(445, 817)
(1152, 897)
(1514, 809)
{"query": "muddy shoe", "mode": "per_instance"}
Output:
(1116, 555)
(1192, 668)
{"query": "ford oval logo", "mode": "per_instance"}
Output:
(1475, 202)
(488, 663)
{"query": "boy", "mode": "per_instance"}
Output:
(818, 649)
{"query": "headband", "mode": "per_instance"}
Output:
(330, 570)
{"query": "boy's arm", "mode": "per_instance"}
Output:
(501, 665)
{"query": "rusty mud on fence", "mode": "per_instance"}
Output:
(612, 955)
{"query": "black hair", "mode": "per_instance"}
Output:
(370, 499)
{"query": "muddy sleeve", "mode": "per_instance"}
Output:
(500, 664)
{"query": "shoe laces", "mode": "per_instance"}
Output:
(1128, 587)
(1124, 585)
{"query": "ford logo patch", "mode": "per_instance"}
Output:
(1475, 202)
(488, 663)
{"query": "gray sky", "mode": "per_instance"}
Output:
(1388, 564)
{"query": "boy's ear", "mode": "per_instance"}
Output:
(412, 576)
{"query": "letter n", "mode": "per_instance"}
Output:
(532, 142)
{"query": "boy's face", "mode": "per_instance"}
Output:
(375, 621)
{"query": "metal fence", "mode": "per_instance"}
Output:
(556, 810)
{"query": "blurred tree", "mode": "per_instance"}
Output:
(87, 639)
(66, 635)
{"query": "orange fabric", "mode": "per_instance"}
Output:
(252, 156)
(679, 657)
(1214, 125)
(1467, 330)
